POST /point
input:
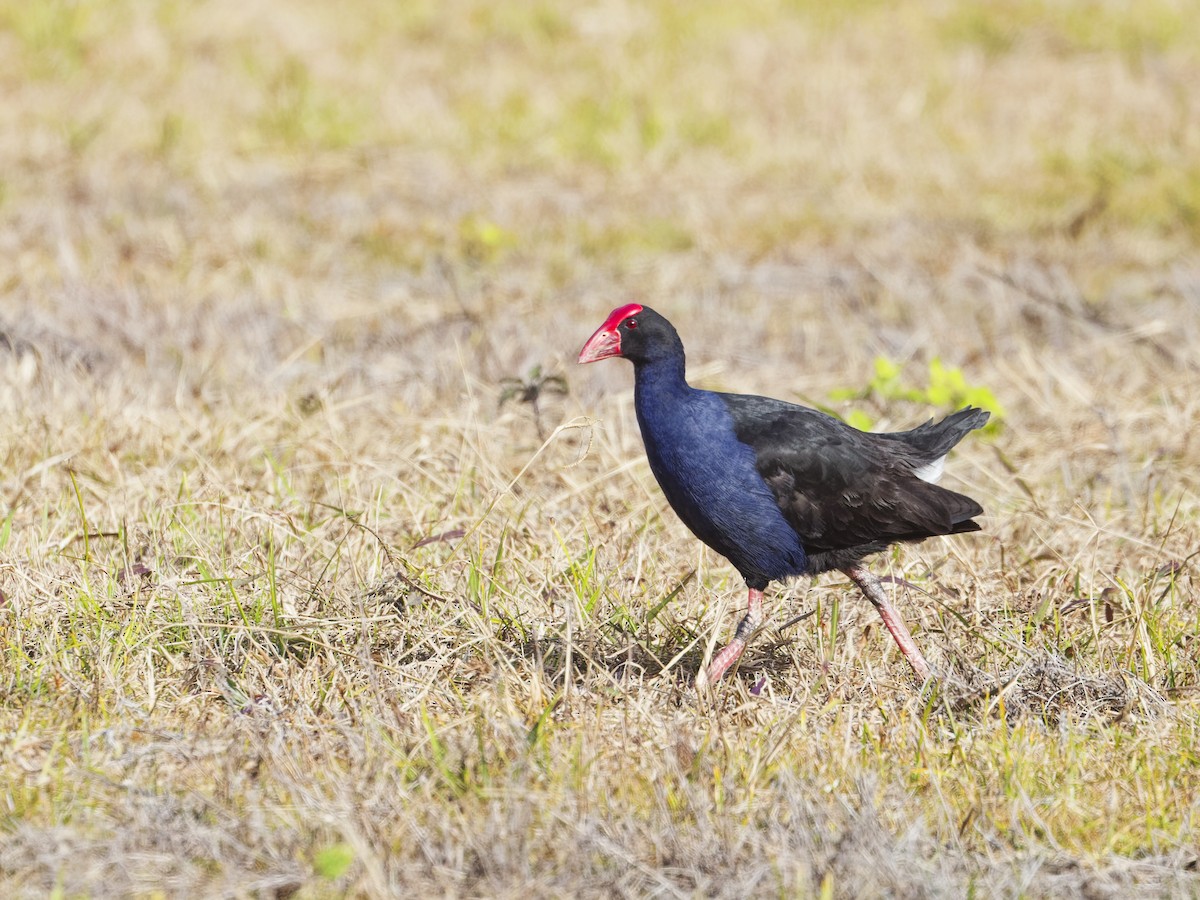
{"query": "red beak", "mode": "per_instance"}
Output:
(604, 343)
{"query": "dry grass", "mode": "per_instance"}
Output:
(292, 605)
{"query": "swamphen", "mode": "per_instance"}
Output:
(778, 489)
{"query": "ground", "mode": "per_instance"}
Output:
(324, 571)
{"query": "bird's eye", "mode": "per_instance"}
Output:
(631, 324)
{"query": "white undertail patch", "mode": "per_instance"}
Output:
(932, 472)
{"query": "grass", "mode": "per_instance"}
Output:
(292, 604)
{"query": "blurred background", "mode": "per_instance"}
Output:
(239, 189)
(271, 271)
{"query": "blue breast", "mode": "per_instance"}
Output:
(710, 480)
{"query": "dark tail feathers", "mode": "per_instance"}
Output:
(932, 441)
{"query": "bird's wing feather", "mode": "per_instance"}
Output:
(839, 487)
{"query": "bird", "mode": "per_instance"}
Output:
(781, 490)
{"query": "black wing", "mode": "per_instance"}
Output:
(845, 490)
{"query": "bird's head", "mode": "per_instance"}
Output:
(637, 333)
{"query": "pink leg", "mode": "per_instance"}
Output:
(732, 652)
(873, 589)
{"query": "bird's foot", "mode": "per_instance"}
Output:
(720, 664)
(932, 676)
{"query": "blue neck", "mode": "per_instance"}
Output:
(659, 378)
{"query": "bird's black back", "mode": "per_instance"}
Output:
(848, 493)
